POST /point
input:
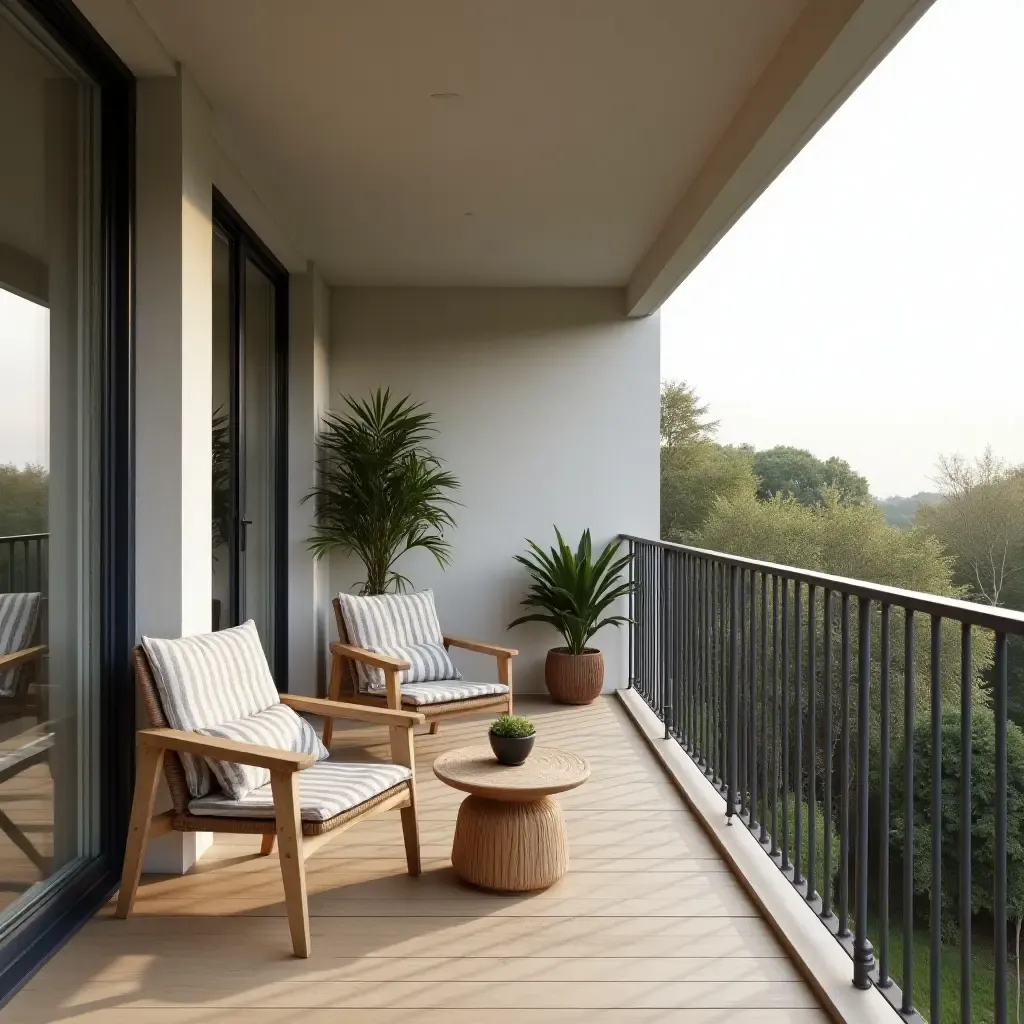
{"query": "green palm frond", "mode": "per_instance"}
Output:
(573, 589)
(380, 490)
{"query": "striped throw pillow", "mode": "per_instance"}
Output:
(427, 663)
(277, 726)
(19, 614)
(207, 680)
(400, 625)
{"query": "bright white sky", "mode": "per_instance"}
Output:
(24, 381)
(870, 304)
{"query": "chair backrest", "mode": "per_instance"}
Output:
(174, 772)
(19, 621)
(350, 677)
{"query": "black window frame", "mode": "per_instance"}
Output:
(62, 910)
(244, 244)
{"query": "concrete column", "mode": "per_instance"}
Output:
(309, 597)
(174, 277)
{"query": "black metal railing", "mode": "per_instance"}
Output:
(23, 563)
(781, 684)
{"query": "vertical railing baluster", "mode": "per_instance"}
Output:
(723, 681)
(812, 741)
(935, 922)
(863, 952)
(826, 881)
(752, 703)
(741, 717)
(907, 1004)
(763, 703)
(631, 626)
(707, 667)
(844, 773)
(999, 895)
(734, 688)
(785, 724)
(966, 819)
(775, 716)
(798, 714)
(883, 785)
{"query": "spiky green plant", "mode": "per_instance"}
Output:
(573, 589)
(513, 726)
(381, 491)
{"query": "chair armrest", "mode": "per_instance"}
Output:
(368, 657)
(479, 647)
(356, 712)
(225, 750)
(22, 657)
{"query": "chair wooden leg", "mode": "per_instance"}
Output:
(411, 833)
(148, 765)
(505, 678)
(333, 693)
(267, 846)
(285, 788)
(435, 727)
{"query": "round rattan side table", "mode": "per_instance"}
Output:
(510, 833)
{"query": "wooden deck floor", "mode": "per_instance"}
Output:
(648, 926)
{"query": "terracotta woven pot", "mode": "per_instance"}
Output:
(574, 678)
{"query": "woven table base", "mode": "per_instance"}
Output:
(510, 847)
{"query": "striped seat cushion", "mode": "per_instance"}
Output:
(277, 726)
(326, 790)
(443, 692)
(208, 680)
(19, 615)
(401, 626)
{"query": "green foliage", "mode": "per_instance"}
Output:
(797, 474)
(23, 500)
(983, 769)
(381, 491)
(573, 589)
(512, 726)
(695, 470)
(902, 512)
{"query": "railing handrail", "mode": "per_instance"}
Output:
(24, 536)
(1000, 620)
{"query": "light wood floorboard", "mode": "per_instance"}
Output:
(647, 928)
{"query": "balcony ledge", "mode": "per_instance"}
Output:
(824, 964)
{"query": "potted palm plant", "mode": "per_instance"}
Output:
(573, 592)
(381, 491)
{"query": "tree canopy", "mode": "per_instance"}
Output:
(23, 500)
(796, 473)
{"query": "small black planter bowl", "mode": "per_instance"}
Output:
(511, 750)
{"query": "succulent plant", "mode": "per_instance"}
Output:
(513, 726)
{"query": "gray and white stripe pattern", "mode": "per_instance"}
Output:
(209, 679)
(277, 726)
(19, 614)
(441, 693)
(427, 662)
(326, 789)
(392, 622)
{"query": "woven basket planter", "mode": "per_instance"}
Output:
(574, 678)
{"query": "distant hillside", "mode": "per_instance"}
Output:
(900, 511)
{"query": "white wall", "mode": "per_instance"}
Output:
(547, 404)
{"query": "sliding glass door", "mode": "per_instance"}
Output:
(65, 476)
(249, 339)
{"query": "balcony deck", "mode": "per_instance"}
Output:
(648, 925)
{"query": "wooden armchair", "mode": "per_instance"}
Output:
(434, 701)
(22, 694)
(159, 751)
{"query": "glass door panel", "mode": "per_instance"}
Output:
(260, 431)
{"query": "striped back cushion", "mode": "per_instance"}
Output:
(207, 680)
(427, 663)
(19, 614)
(399, 623)
(277, 726)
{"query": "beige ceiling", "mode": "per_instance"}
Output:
(561, 151)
